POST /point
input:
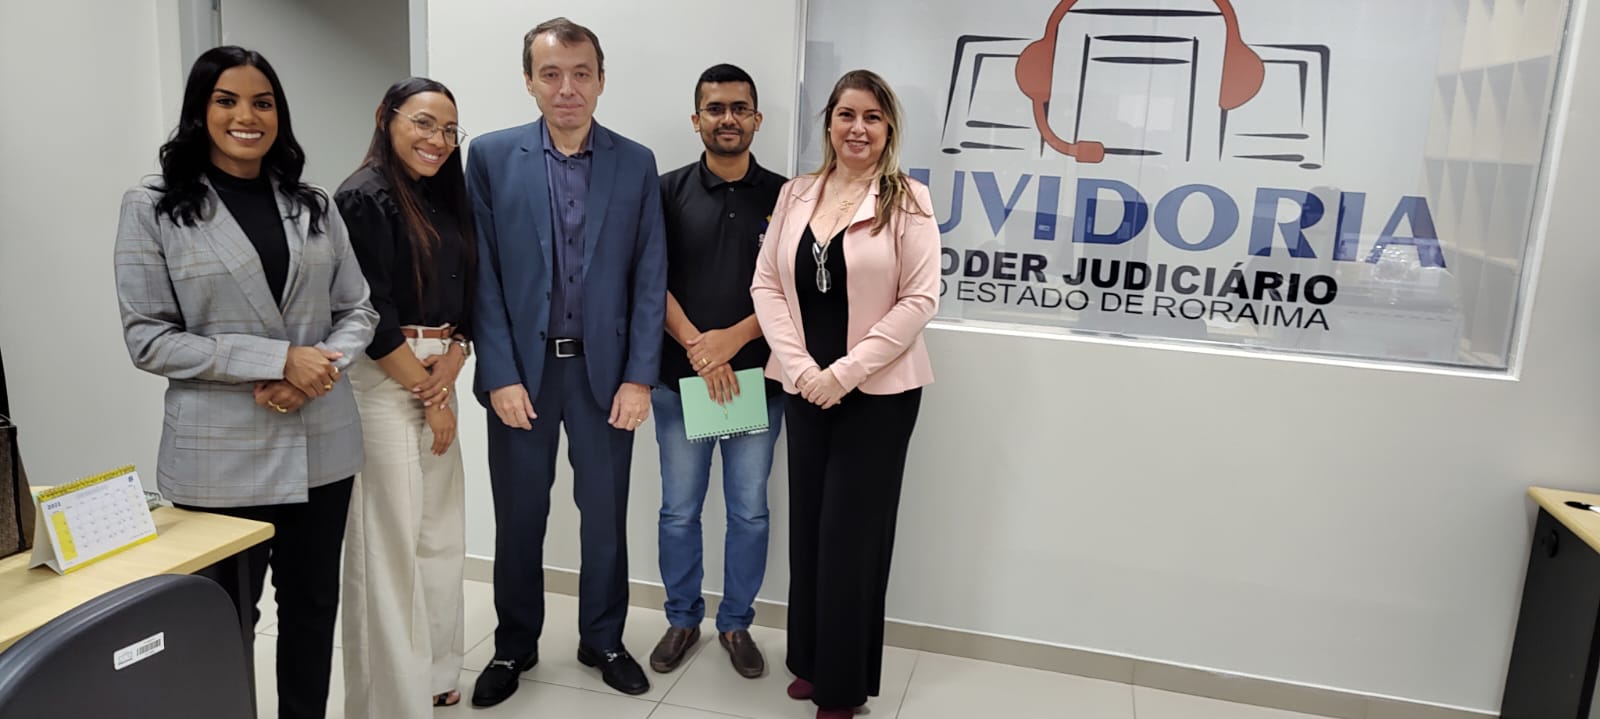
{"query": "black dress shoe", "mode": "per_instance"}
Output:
(499, 680)
(617, 668)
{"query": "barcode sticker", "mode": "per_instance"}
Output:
(139, 651)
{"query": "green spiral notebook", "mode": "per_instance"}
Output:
(746, 414)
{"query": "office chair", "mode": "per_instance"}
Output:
(102, 659)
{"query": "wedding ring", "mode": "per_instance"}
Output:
(277, 407)
(327, 385)
(444, 390)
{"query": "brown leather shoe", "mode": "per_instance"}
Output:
(747, 659)
(673, 647)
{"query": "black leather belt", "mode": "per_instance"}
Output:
(565, 348)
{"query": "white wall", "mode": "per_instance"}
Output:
(335, 60)
(651, 68)
(1353, 527)
(84, 130)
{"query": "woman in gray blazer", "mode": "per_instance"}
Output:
(237, 283)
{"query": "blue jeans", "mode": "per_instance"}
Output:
(685, 474)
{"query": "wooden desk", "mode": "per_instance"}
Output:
(185, 543)
(1556, 651)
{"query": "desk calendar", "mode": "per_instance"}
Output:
(95, 517)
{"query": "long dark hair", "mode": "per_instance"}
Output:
(185, 157)
(448, 187)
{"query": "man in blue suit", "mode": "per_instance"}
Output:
(571, 296)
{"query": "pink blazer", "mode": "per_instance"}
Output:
(893, 286)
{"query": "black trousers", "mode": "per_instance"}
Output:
(304, 556)
(845, 471)
(522, 470)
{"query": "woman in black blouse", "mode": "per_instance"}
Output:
(406, 208)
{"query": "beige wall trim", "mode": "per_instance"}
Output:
(1065, 660)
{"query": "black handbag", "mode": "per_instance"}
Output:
(16, 501)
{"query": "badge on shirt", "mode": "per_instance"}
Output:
(761, 239)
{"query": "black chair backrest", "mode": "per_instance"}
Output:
(101, 658)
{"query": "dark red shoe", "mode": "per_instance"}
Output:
(835, 713)
(800, 689)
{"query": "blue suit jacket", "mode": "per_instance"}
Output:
(624, 287)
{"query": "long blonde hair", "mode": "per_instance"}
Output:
(894, 187)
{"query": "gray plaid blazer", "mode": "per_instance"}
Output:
(196, 309)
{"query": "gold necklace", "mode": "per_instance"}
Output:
(840, 214)
(849, 200)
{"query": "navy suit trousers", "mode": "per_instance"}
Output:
(522, 470)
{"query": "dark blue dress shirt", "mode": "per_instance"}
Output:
(569, 198)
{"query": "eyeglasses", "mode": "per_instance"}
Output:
(453, 134)
(717, 109)
(819, 252)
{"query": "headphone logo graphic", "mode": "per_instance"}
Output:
(1147, 72)
(1243, 73)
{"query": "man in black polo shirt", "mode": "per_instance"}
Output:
(717, 211)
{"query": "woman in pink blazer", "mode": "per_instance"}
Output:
(846, 281)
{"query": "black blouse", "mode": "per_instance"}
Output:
(383, 246)
(255, 209)
(824, 316)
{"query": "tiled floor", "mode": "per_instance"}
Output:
(916, 685)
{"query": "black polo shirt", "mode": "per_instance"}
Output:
(714, 232)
